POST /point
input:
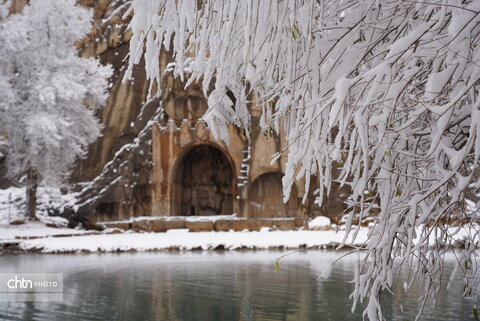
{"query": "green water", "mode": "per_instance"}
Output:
(211, 286)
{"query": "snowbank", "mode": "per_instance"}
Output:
(60, 240)
(184, 240)
(319, 222)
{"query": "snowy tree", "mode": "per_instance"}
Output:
(49, 94)
(384, 91)
(4, 8)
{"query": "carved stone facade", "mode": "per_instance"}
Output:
(195, 174)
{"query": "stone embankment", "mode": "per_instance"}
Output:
(222, 223)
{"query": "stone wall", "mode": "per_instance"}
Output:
(172, 150)
(264, 197)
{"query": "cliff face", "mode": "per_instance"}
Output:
(109, 41)
(158, 157)
(117, 169)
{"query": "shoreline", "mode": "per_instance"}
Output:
(18, 251)
(180, 240)
(38, 239)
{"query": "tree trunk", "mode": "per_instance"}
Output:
(31, 206)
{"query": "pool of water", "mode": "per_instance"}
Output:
(211, 286)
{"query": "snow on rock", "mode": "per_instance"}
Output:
(55, 220)
(320, 223)
(210, 218)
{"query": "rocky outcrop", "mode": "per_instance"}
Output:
(114, 180)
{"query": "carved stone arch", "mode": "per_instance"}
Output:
(203, 182)
(265, 197)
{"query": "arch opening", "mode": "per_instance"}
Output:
(266, 198)
(203, 183)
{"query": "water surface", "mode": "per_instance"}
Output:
(211, 286)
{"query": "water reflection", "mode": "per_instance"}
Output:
(210, 286)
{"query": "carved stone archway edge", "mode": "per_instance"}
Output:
(285, 208)
(170, 143)
(181, 158)
(264, 171)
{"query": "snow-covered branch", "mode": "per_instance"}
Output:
(384, 91)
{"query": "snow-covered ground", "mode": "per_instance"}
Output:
(38, 236)
(12, 208)
(178, 239)
(12, 204)
(34, 230)
(183, 240)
